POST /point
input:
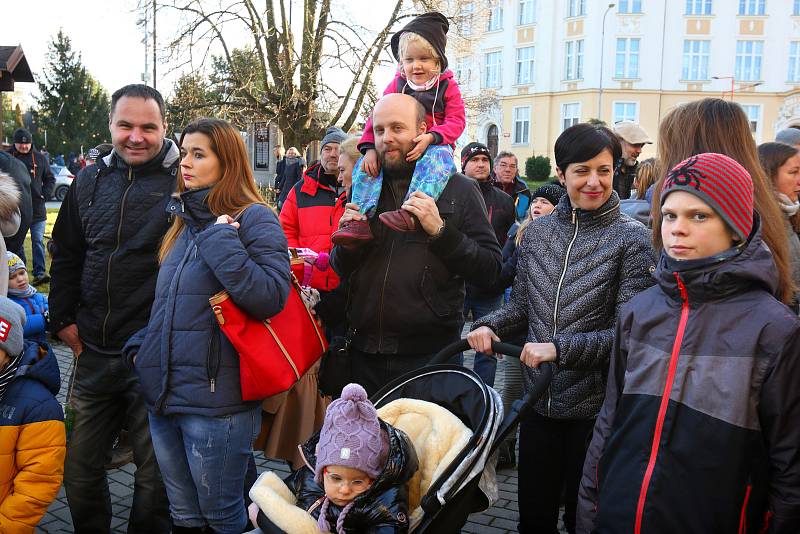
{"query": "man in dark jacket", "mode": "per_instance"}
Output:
(17, 170)
(105, 263)
(506, 178)
(407, 289)
(632, 137)
(42, 185)
(476, 163)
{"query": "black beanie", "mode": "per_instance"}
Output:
(474, 149)
(433, 27)
(22, 136)
(552, 192)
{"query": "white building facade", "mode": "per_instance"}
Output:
(540, 66)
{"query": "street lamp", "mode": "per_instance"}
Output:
(731, 78)
(602, 50)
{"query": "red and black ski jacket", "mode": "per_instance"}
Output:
(700, 428)
(309, 216)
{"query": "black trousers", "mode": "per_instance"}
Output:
(551, 455)
(373, 371)
(105, 395)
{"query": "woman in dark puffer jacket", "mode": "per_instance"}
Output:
(223, 237)
(577, 267)
(700, 429)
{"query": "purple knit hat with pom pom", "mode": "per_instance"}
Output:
(351, 435)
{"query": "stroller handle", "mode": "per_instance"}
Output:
(462, 344)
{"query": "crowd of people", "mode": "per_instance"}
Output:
(664, 293)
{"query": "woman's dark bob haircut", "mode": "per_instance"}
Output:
(584, 141)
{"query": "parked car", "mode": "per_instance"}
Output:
(63, 181)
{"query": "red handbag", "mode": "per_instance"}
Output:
(275, 353)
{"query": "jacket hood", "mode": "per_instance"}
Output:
(39, 363)
(401, 462)
(736, 270)
(9, 196)
(191, 206)
(605, 214)
(166, 158)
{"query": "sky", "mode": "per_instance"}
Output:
(106, 34)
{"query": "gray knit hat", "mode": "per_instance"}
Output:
(12, 320)
(333, 135)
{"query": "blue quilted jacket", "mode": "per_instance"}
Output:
(184, 362)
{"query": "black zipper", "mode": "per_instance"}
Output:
(385, 279)
(116, 248)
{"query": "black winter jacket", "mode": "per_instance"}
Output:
(43, 183)
(382, 509)
(17, 170)
(501, 211)
(700, 429)
(406, 291)
(105, 251)
(576, 269)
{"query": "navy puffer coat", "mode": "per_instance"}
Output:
(184, 362)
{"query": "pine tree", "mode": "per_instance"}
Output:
(72, 107)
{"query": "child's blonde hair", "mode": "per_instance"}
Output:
(409, 38)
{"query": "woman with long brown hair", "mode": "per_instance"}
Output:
(781, 162)
(223, 237)
(715, 125)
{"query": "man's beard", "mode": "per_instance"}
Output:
(631, 162)
(399, 166)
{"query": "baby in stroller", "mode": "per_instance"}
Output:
(354, 478)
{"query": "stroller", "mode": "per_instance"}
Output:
(463, 477)
(456, 492)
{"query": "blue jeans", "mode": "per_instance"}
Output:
(37, 247)
(485, 366)
(203, 462)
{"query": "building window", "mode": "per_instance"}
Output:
(522, 125)
(573, 60)
(467, 16)
(495, 19)
(630, 6)
(794, 61)
(527, 12)
(492, 62)
(627, 58)
(576, 8)
(753, 113)
(751, 7)
(570, 115)
(695, 60)
(626, 111)
(796, 8)
(748, 60)
(463, 70)
(525, 65)
(698, 7)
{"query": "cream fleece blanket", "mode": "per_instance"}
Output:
(438, 436)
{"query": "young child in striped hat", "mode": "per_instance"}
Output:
(702, 405)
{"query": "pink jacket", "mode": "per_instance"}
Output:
(442, 102)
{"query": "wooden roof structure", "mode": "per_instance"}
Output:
(13, 67)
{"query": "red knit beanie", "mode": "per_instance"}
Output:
(720, 182)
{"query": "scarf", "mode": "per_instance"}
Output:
(8, 374)
(22, 294)
(787, 206)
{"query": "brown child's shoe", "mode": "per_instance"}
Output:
(352, 234)
(399, 220)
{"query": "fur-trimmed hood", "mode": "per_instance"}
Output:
(9, 197)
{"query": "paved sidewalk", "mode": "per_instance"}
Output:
(501, 518)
